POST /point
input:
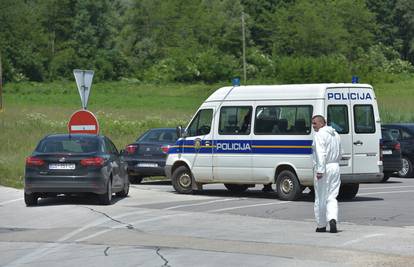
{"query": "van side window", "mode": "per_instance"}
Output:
(235, 120)
(201, 124)
(338, 118)
(364, 119)
(282, 120)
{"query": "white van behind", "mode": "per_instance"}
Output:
(247, 135)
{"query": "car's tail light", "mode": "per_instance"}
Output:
(131, 149)
(97, 161)
(397, 146)
(165, 149)
(33, 161)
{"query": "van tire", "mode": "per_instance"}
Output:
(288, 186)
(348, 191)
(182, 180)
(236, 188)
(407, 168)
(387, 176)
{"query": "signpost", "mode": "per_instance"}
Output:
(83, 121)
(84, 81)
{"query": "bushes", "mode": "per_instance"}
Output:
(309, 69)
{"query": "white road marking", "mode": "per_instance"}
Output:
(203, 203)
(132, 223)
(361, 239)
(390, 192)
(388, 187)
(250, 206)
(11, 201)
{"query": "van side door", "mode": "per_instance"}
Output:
(198, 144)
(232, 158)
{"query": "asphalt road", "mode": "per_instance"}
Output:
(154, 226)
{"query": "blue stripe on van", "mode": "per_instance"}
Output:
(243, 146)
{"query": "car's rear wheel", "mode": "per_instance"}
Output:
(288, 186)
(236, 188)
(407, 168)
(348, 191)
(125, 190)
(106, 198)
(182, 180)
(30, 199)
(135, 179)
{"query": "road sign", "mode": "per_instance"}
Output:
(84, 81)
(83, 121)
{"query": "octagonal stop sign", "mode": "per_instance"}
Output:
(83, 121)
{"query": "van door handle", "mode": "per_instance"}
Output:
(358, 143)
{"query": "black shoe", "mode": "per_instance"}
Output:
(321, 230)
(268, 188)
(332, 226)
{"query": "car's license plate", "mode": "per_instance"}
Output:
(61, 166)
(147, 165)
(386, 152)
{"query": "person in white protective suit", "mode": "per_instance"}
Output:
(326, 155)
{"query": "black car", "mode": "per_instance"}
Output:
(404, 133)
(75, 163)
(391, 154)
(146, 157)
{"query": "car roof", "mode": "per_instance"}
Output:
(399, 124)
(74, 135)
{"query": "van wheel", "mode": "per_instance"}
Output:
(30, 199)
(407, 168)
(106, 198)
(287, 186)
(387, 176)
(348, 191)
(182, 180)
(236, 188)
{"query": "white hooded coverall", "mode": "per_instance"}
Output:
(326, 156)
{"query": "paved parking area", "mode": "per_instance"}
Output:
(154, 226)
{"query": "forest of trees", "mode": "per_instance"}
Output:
(201, 40)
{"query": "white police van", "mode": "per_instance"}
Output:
(247, 135)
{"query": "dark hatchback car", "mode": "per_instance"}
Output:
(75, 163)
(391, 153)
(404, 133)
(147, 155)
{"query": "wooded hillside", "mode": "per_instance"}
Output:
(201, 40)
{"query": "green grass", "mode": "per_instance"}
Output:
(124, 111)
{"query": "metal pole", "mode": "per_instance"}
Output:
(244, 49)
(1, 87)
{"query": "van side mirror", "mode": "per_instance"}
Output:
(180, 131)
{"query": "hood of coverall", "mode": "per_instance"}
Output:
(328, 129)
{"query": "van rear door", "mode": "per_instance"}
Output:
(366, 130)
(353, 112)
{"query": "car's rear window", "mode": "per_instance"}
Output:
(68, 144)
(386, 135)
(159, 135)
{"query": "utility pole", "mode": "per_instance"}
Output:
(1, 87)
(244, 49)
